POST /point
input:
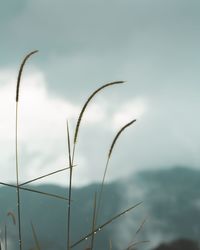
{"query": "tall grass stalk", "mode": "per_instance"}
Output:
(71, 159)
(37, 244)
(5, 238)
(16, 147)
(70, 190)
(94, 221)
(107, 163)
(44, 176)
(110, 244)
(36, 191)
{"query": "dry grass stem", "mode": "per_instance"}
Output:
(70, 190)
(94, 221)
(12, 215)
(37, 244)
(99, 228)
(110, 244)
(36, 191)
(5, 238)
(132, 244)
(16, 146)
(107, 162)
(84, 108)
(44, 176)
(141, 226)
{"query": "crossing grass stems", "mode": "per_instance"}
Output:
(95, 227)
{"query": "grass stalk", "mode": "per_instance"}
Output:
(94, 221)
(44, 176)
(37, 244)
(17, 178)
(71, 159)
(95, 228)
(110, 244)
(140, 226)
(35, 191)
(83, 110)
(107, 163)
(70, 190)
(5, 238)
(16, 147)
(132, 244)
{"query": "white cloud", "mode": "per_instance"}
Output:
(162, 136)
(130, 110)
(42, 127)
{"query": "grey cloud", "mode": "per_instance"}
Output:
(85, 43)
(152, 44)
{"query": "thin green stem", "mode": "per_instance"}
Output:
(101, 191)
(43, 176)
(17, 178)
(16, 146)
(6, 245)
(99, 228)
(70, 190)
(94, 221)
(37, 244)
(110, 244)
(35, 191)
(107, 163)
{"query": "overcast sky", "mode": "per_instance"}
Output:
(153, 45)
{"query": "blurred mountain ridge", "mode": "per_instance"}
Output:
(171, 206)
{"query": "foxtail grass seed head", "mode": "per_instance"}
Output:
(86, 104)
(117, 136)
(20, 72)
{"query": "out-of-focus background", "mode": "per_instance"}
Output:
(154, 47)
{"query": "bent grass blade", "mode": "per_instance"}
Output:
(99, 228)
